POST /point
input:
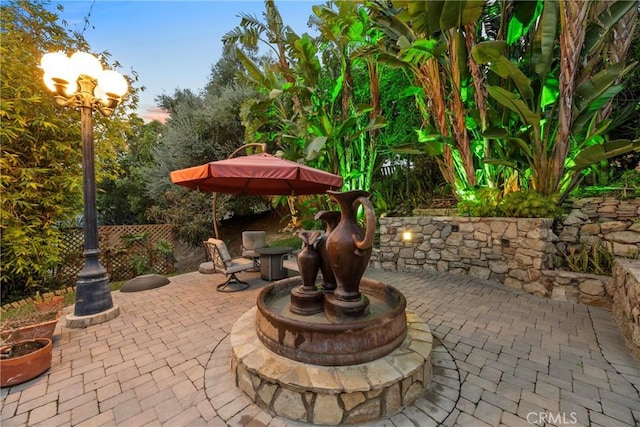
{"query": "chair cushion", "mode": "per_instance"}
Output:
(222, 249)
(239, 264)
(253, 239)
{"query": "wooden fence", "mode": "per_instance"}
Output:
(125, 251)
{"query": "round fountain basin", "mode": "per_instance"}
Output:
(315, 340)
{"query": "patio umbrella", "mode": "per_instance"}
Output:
(256, 174)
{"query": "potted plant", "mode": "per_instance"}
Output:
(26, 324)
(48, 302)
(24, 360)
(26, 344)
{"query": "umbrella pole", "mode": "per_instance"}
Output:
(213, 211)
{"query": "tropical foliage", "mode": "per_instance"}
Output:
(539, 116)
(307, 104)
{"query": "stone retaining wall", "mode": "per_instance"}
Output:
(602, 219)
(626, 301)
(591, 289)
(518, 252)
(510, 250)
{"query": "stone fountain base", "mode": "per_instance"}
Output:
(331, 395)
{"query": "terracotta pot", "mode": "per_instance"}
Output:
(50, 304)
(20, 369)
(43, 329)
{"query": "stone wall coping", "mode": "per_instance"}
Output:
(631, 266)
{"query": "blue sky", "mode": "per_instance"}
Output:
(170, 44)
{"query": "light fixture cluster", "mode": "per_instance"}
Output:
(80, 80)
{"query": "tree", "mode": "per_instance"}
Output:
(41, 176)
(201, 128)
(553, 109)
(123, 197)
(431, 39)
(307, 103)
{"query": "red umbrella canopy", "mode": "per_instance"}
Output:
(258, 174)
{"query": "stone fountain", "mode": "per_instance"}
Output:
(339, 350)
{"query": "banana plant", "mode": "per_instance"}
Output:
(431, 40)
(548, 112)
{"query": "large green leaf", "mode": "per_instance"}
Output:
(515, 104)
(597, 85)
(500, 162)
(488, 51)
(524, 15)
(595, 153)
(597, 31)
(508, 68)
(306, 54)
(315, 146)
(545, 38)
(502, 134)
(456, 13)
(254, 72)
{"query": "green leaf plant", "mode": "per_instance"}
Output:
(549, 100)
(514, 95)
(307, 105)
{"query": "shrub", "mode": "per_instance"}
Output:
(479, 202)
(529, 204)
(592, 258)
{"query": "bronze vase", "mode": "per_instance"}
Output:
(330, 220)
(308, 260)
(307, 299)
(349, 249)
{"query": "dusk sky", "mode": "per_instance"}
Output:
(170, 44)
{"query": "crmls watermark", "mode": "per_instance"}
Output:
(558, 419)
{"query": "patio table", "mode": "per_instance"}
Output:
(271, 262)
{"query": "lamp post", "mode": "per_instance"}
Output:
(80, 82)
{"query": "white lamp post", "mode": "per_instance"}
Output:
(80, 82)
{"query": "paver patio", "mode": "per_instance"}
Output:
(503, 357)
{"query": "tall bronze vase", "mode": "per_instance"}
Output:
(307, 299)
(330, 220)
(349, 250)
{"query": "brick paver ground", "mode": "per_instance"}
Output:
(501, 357)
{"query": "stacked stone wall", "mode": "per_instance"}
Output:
(626, 301)
(510, 250)
(613, 222)
(518, 252)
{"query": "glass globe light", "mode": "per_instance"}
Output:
(85, 63)
(57, 65)
(113, 83)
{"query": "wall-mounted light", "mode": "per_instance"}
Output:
(407, 236)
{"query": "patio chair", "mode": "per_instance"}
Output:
(223, 263)
(251, 241)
